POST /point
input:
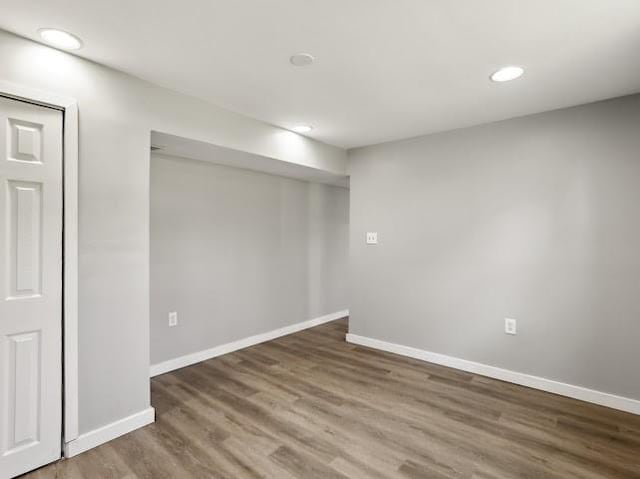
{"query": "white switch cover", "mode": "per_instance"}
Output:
(510, 326)
(372, 238)
(173, 319)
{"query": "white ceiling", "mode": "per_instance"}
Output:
(385, 69)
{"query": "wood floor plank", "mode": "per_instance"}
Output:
(309, 405)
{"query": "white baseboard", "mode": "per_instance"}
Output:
(193, 358)
(92, 439)
(548, 385)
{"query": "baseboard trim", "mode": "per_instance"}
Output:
(576, 392)
(193, 358)
(107, 433)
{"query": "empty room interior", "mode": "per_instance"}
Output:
(314, 240)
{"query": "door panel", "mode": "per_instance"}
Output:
(25, 238)
(23, 407)
(30, 286)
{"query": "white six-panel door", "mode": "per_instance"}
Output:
(30, 286)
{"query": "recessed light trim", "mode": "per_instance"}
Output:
(301, 59)
(302, 128)
(60, 39)
(508, 73)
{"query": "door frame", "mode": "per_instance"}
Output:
(69, 108)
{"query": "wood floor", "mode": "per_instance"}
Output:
(310, 406)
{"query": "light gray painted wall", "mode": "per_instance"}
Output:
(117, 113)
(238, 253)
(535, 218)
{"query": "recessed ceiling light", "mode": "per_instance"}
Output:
(301, 59)
(507, 74)
(60, 39)
(302, 128)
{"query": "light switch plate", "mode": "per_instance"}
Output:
(173, 319)
(372, 238)
(510, 326)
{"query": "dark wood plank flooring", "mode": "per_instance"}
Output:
(310, 406)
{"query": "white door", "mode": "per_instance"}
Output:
(30, 286)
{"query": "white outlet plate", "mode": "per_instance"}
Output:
(510, 326)
(173, 319)
(372, 237)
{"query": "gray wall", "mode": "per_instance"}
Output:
(117, 113)
(238, 253)
(535, 218)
